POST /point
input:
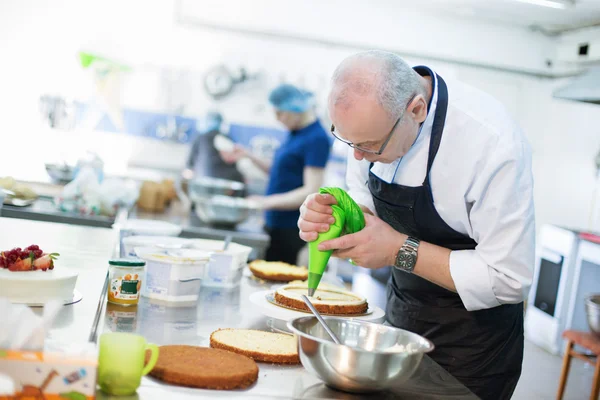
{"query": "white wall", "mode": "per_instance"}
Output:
(396, 25)
(39, 41)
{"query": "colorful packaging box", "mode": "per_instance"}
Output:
(50, 376)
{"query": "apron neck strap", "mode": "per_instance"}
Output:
(438, 123)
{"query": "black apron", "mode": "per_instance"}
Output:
(483, 349)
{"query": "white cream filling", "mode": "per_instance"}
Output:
(325, 296)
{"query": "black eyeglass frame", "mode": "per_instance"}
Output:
(387, 140)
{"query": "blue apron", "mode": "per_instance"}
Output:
(483, 349)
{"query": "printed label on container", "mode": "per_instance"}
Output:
(220, 267)
(125, 289)
(157, 278)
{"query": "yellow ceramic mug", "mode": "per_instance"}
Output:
(121, 362)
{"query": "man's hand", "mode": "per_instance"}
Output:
(315, 216)
(375, 246)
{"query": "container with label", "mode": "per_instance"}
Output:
(125, 281)
(173, 275)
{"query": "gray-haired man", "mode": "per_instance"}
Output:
(445, 174)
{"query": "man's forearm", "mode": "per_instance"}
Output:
(291, 200)
(433, 263)
(262, 164)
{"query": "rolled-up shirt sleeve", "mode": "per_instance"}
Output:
(501, 213)
(357, 176)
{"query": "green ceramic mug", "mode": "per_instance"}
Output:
(121, 362)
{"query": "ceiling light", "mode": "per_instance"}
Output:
(549, 3)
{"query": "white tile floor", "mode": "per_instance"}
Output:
(541, 373)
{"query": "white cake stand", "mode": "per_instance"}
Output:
(77, 296)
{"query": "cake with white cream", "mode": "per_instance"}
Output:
(327, 299)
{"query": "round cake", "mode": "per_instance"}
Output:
(37, 287)
(277, 271)
(203, 367)
(277, 348)
(327, 299)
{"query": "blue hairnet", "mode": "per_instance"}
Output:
(211, 122)
(286, 97)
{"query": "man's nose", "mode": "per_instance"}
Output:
(359, 155)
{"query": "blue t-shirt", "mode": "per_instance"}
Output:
(306, 147)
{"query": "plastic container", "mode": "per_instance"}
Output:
(173, 275)
(125, 281)
(142, 227)
(226, 267)
(129, 243)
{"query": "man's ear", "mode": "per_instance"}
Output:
(418, 108)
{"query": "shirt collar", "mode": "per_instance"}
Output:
(308, 127)
(425, 129)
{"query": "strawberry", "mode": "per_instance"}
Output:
(30, 259)
(44, 262)
(21, 265)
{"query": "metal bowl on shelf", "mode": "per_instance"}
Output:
(592, 310)
(223, 210)
(205, 186)
(372, 357)
(60, 173)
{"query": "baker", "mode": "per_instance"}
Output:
(444, 176)
(297, 169)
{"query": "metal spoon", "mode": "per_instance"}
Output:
(321, 320)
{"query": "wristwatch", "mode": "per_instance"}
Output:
(406, 259)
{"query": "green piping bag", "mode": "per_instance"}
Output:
(349, 218)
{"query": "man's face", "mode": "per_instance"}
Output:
(289, 119)
(367, 125)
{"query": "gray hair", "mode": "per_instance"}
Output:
(384, 75)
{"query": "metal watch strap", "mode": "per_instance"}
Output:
(406, 258)
(411, 243)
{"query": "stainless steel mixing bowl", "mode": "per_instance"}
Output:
(372, 357)
(60, 173)
(205, 186)
(592, 310)
(223, 209)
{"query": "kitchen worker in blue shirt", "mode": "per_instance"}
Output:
(444, 175)
(296, 170)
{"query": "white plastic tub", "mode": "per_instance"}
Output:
(173, 275)
(226, 267)
(129, 243)
(142, 227)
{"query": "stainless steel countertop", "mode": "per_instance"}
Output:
(88, 250)
(249, 234)
(44, 210)
(219, 308)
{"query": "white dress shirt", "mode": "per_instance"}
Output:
(482, 186)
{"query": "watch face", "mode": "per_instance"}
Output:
(406, 261)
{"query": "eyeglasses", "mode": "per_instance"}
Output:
(387, 140)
